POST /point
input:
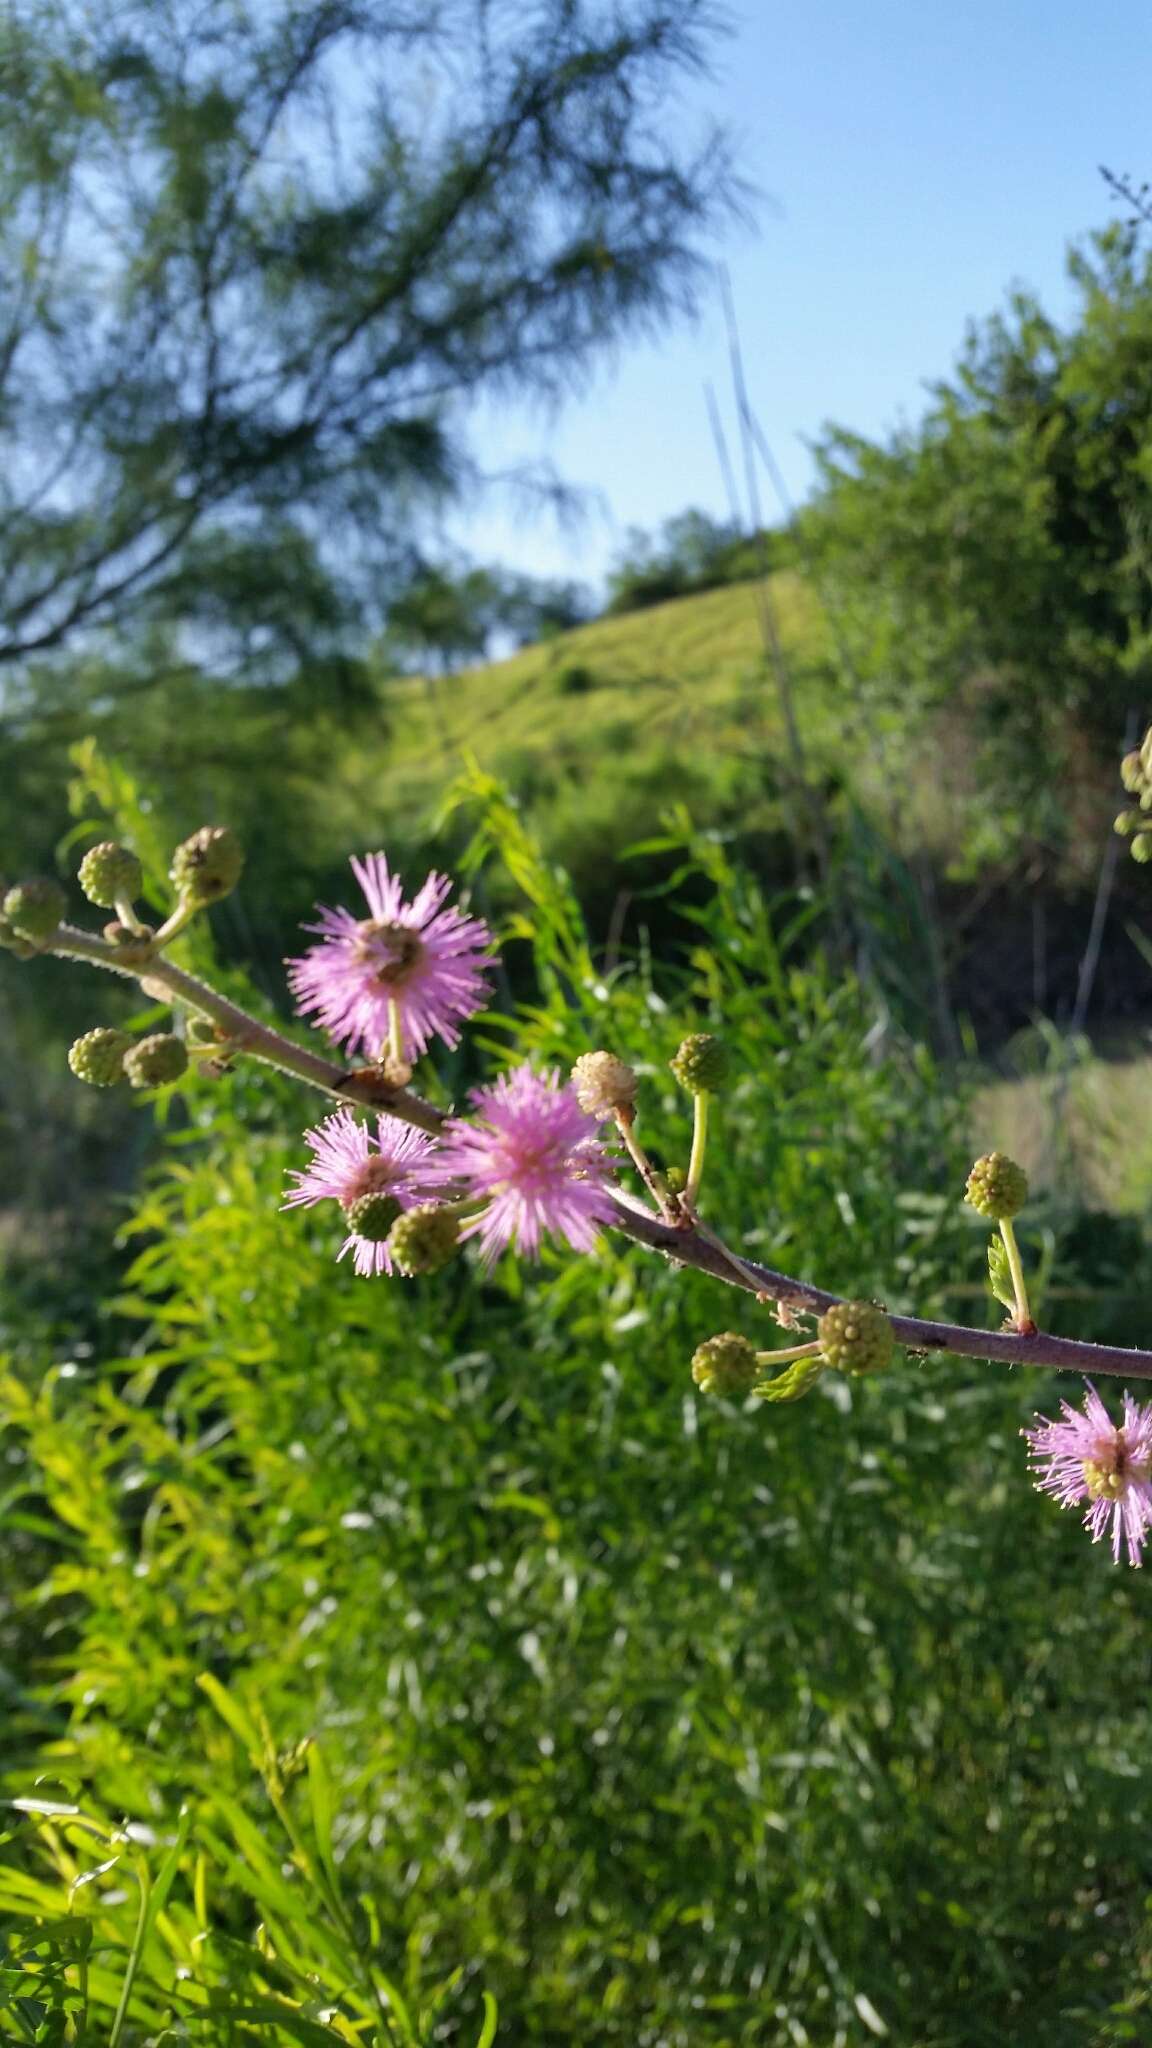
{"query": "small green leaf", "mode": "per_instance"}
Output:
(797, 1380)
(1000, 1273)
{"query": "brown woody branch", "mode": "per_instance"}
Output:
(682, 1243)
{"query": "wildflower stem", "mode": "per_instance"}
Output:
(789, 1354)
(395, 1033)
(700, 1103)
(654, 1182)
(1016, 1268)
(246, 1033)
(183, 914)
(127, 915)
(697, 1248)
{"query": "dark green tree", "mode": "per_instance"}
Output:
(997, 554)
(692, 551)
(256, 260)
(444, 616)
(440, 620)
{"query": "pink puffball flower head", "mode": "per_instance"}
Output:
(533, 1157)
(1088, 1457)
(348, 1161)
(419, 956)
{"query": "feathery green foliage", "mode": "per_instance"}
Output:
(258, 260)
(658, 1720)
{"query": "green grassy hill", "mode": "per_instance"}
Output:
(600, 728)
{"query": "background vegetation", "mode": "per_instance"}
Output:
(406, 1660)
(425, 1663)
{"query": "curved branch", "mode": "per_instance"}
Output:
(1059, 1354)
(364, 1085)
(684, 1243)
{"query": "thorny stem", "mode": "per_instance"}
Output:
(1005, 1347)
(685, 1243)
(699, 1147)
(739, 1266)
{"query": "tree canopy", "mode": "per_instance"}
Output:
(258, 258)
(999, 549)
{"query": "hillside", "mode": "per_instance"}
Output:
(601, 727)
(598, 729)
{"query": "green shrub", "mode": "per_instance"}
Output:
(575, 679)
(666, 1721)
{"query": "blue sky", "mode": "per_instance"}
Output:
(912, 162)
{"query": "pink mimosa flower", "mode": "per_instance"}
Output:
(533, 1155)
(348, 1162)
(1088, 1457)
(419, 956)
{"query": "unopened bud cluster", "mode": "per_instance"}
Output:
(372, 1216)
(727, 1364)
(104, 1056)
(1135, 823)
(207, 866)
(424, 1239)
(701, 1063)
(997, 1188)
(856, 1336)
(34, 909)
(110, 874)
(157, 1061)
(98, 1057)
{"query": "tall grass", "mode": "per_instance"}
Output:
(378, 1652)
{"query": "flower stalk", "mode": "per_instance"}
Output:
(1022, 1313)
(624, 1117)
(700, 1104)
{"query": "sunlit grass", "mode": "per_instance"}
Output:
(1085, 1132)
(684, 688)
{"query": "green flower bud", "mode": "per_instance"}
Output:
(997, 1187)
(35, 908)
(1132, 771)
(1142, 847)
(372, 1216)
(157, 1061)
(855, 1336)
(110, 874)
(701, 1064)
(207, 866)
(726, 1364)
(98, 1057)
(423, 1240)
(603, 1083)
(1127, 822)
